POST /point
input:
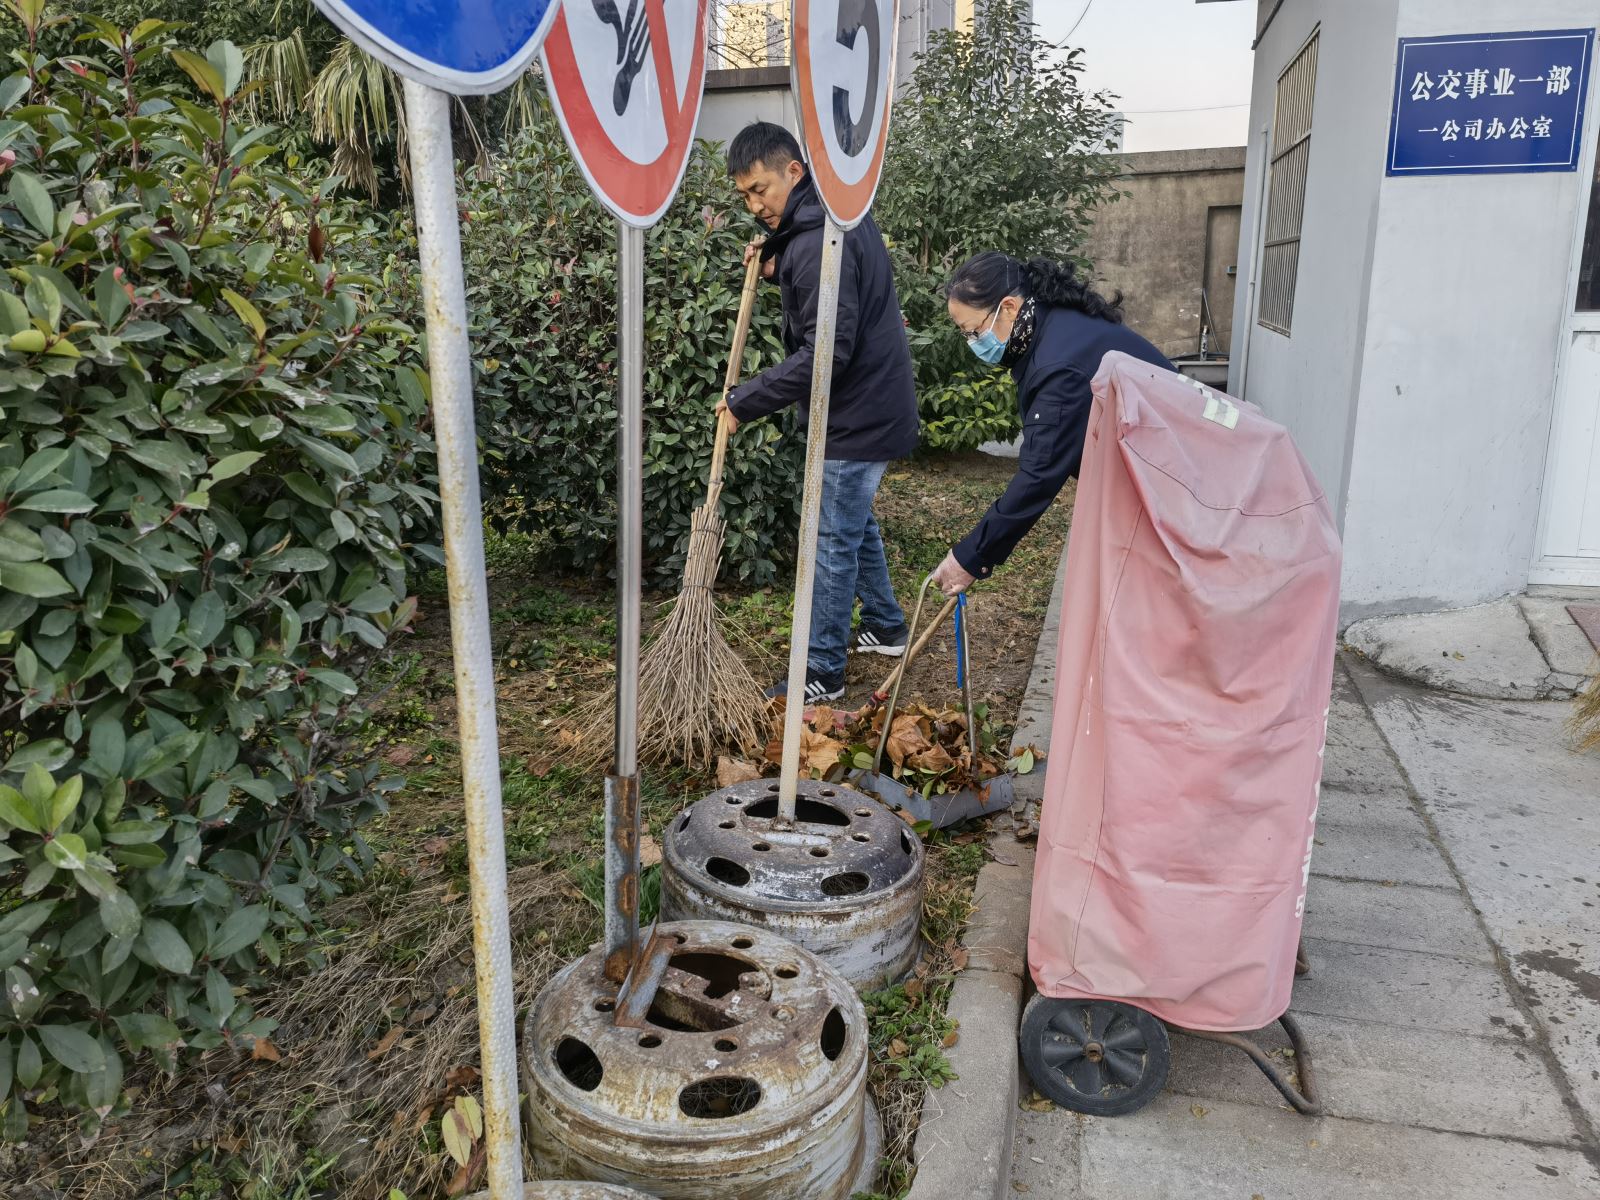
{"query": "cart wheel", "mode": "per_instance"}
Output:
(1094, 1056)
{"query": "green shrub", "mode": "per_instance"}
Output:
(541, 288)
(969, 411)
(213, 482)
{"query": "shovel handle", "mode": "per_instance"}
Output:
(913, 650)
(891, 686)
(741, 333)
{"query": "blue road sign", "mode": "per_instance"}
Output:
(1493, 103)
(461, 46)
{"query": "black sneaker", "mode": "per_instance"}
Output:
(819, 689)
(889, 642)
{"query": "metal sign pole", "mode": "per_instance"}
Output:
(810, 516)
(450, 369)
(622, 783)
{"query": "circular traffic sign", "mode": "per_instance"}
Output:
(843, 72)
(460, 46)
(626, 78)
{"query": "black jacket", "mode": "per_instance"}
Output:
(872, 410)
(1053, 397)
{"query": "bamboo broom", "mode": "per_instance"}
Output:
(696, 696)
(1586, 715)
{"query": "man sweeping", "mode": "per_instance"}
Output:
(872, 415)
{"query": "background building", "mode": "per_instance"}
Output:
(1418, 303)
(748, 74)
(1170, 244)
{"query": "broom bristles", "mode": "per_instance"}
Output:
(1586, 717)
(696, 696)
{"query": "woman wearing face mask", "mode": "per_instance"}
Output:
(1051, 329)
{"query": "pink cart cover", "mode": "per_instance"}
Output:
(1192, 688)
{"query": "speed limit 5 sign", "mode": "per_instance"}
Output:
(843, 75)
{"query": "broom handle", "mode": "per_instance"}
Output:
(741, 331)
(923, 639)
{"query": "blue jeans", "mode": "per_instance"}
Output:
(850, 564)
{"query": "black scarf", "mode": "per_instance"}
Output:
(1021, 335)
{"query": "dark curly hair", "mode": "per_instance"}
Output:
(986, 279)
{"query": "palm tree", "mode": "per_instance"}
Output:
(354, 102)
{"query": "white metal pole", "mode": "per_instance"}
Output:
(450, 369)
(622, 784)
(810, 516)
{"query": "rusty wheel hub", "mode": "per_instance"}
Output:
(844, 881)
(746, 1078)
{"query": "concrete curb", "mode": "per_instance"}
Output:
(963, 1149)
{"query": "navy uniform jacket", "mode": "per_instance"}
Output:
(1053, 398)
(872, 410)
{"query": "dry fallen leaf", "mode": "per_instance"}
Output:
(950, 1039)
(905, 739)
(935, 761)
(264, 1051)
(462, 1077)
(401, 755)
(821, 753)
(898, 1049)
(914, 988)
(649, 851)
(735, 770)
(958, 959)
(1037, 1103)
(1198, 1110)
(386, 1043)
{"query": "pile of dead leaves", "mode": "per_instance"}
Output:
(928, 749)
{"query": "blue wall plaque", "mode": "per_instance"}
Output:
(1493, 103)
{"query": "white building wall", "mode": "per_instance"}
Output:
(1467, 310)
(1420, 376)
(1309, 380)
(724, 113)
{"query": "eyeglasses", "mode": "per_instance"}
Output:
(987, 325)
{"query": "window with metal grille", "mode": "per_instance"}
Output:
(1286, 196)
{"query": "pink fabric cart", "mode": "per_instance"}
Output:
(1193, 677)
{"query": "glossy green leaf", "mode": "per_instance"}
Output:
(72, 1048)
(17, 813)
(29, 196)
(33, 579)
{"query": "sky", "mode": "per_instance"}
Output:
(1164, 55)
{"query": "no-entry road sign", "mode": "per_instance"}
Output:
(843, 72)
(626, 78)
(461, 46)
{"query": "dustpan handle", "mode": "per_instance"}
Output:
(905, 663)
(964, 674)
(741, 333)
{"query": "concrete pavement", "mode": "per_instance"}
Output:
(1520, 648)
(1454, 1004)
